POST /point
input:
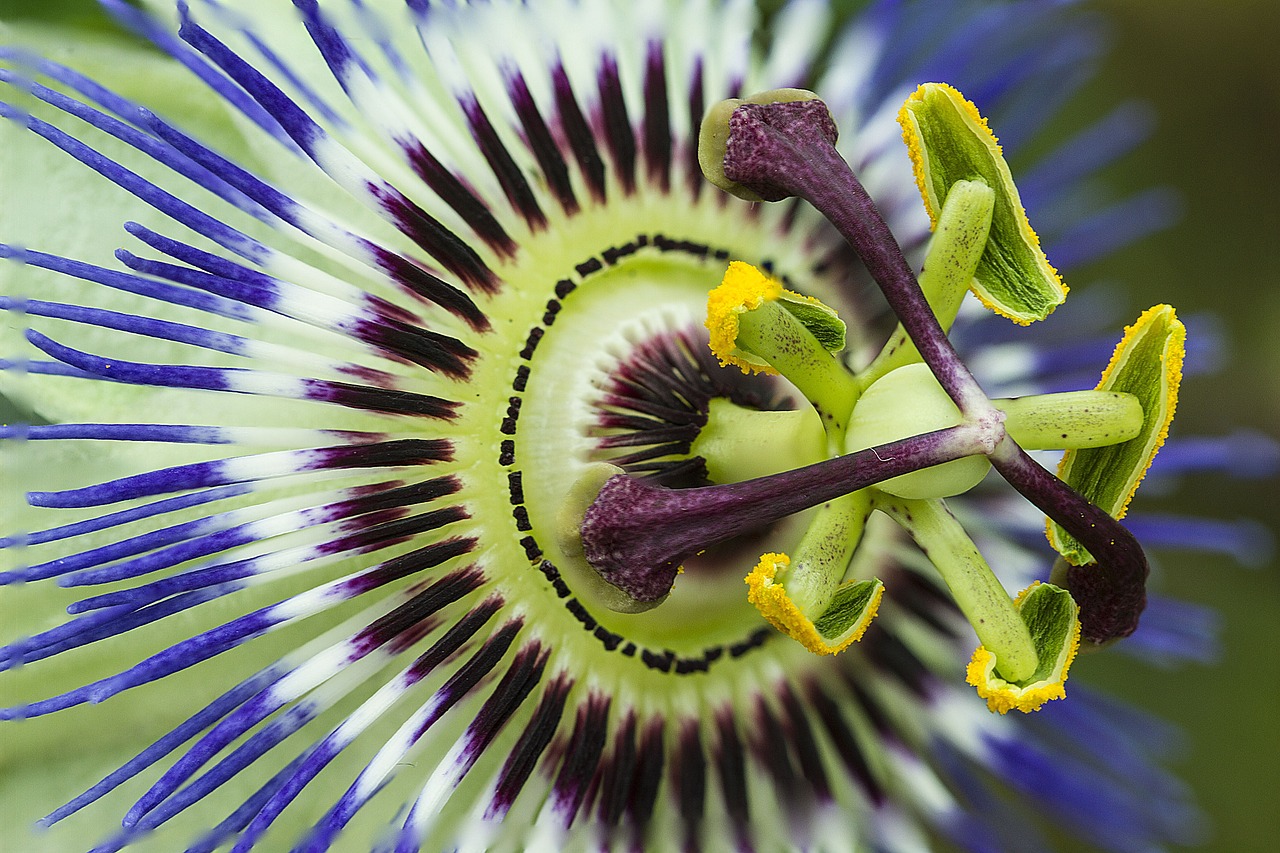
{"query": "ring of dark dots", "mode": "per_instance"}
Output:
(663, 660)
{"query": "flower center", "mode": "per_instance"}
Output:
(617, 370)
(636, 537)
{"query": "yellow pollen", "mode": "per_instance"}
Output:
(780, 611)
(915, 145)
(1004, 696)
(744, 288)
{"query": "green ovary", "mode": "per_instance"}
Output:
(907, 402)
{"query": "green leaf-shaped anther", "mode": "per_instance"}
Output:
(1147, 363)
(1052, 618)
(949, 141)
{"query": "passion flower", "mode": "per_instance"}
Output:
(398, 501)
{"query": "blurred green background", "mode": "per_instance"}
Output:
(1209, 68)
(1211, 72)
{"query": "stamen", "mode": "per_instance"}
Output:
(1148, 364)
(840, 625)
(760, 327)
(1051, 615)
(948, 140)
(976, 590)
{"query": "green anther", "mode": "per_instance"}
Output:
(976, 590)
(949, 141)
(1147, 363)
(821, 320)
(1052, 617)
(806, 596)
(852, 607)
(760, 327)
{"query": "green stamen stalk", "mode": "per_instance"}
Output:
(954, 252)
(775, 335)
(975, 588)
(1072, 419)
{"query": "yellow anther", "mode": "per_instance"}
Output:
(948, 140)
(744, 288)
(1046, 684)
(776, 606)
(1171, 358)
(915, 143)
(1148, 364)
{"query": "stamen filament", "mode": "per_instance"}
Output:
(954, 252)
(824, 552)
(975, 588)
(1072, 419)
(774, 334)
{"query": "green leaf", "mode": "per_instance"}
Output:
(949, 141)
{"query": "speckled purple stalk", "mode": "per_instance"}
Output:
(784, 150)
(1111, 592)
(636, 535)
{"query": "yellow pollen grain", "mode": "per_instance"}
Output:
(1022, 596)
(915, 150)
